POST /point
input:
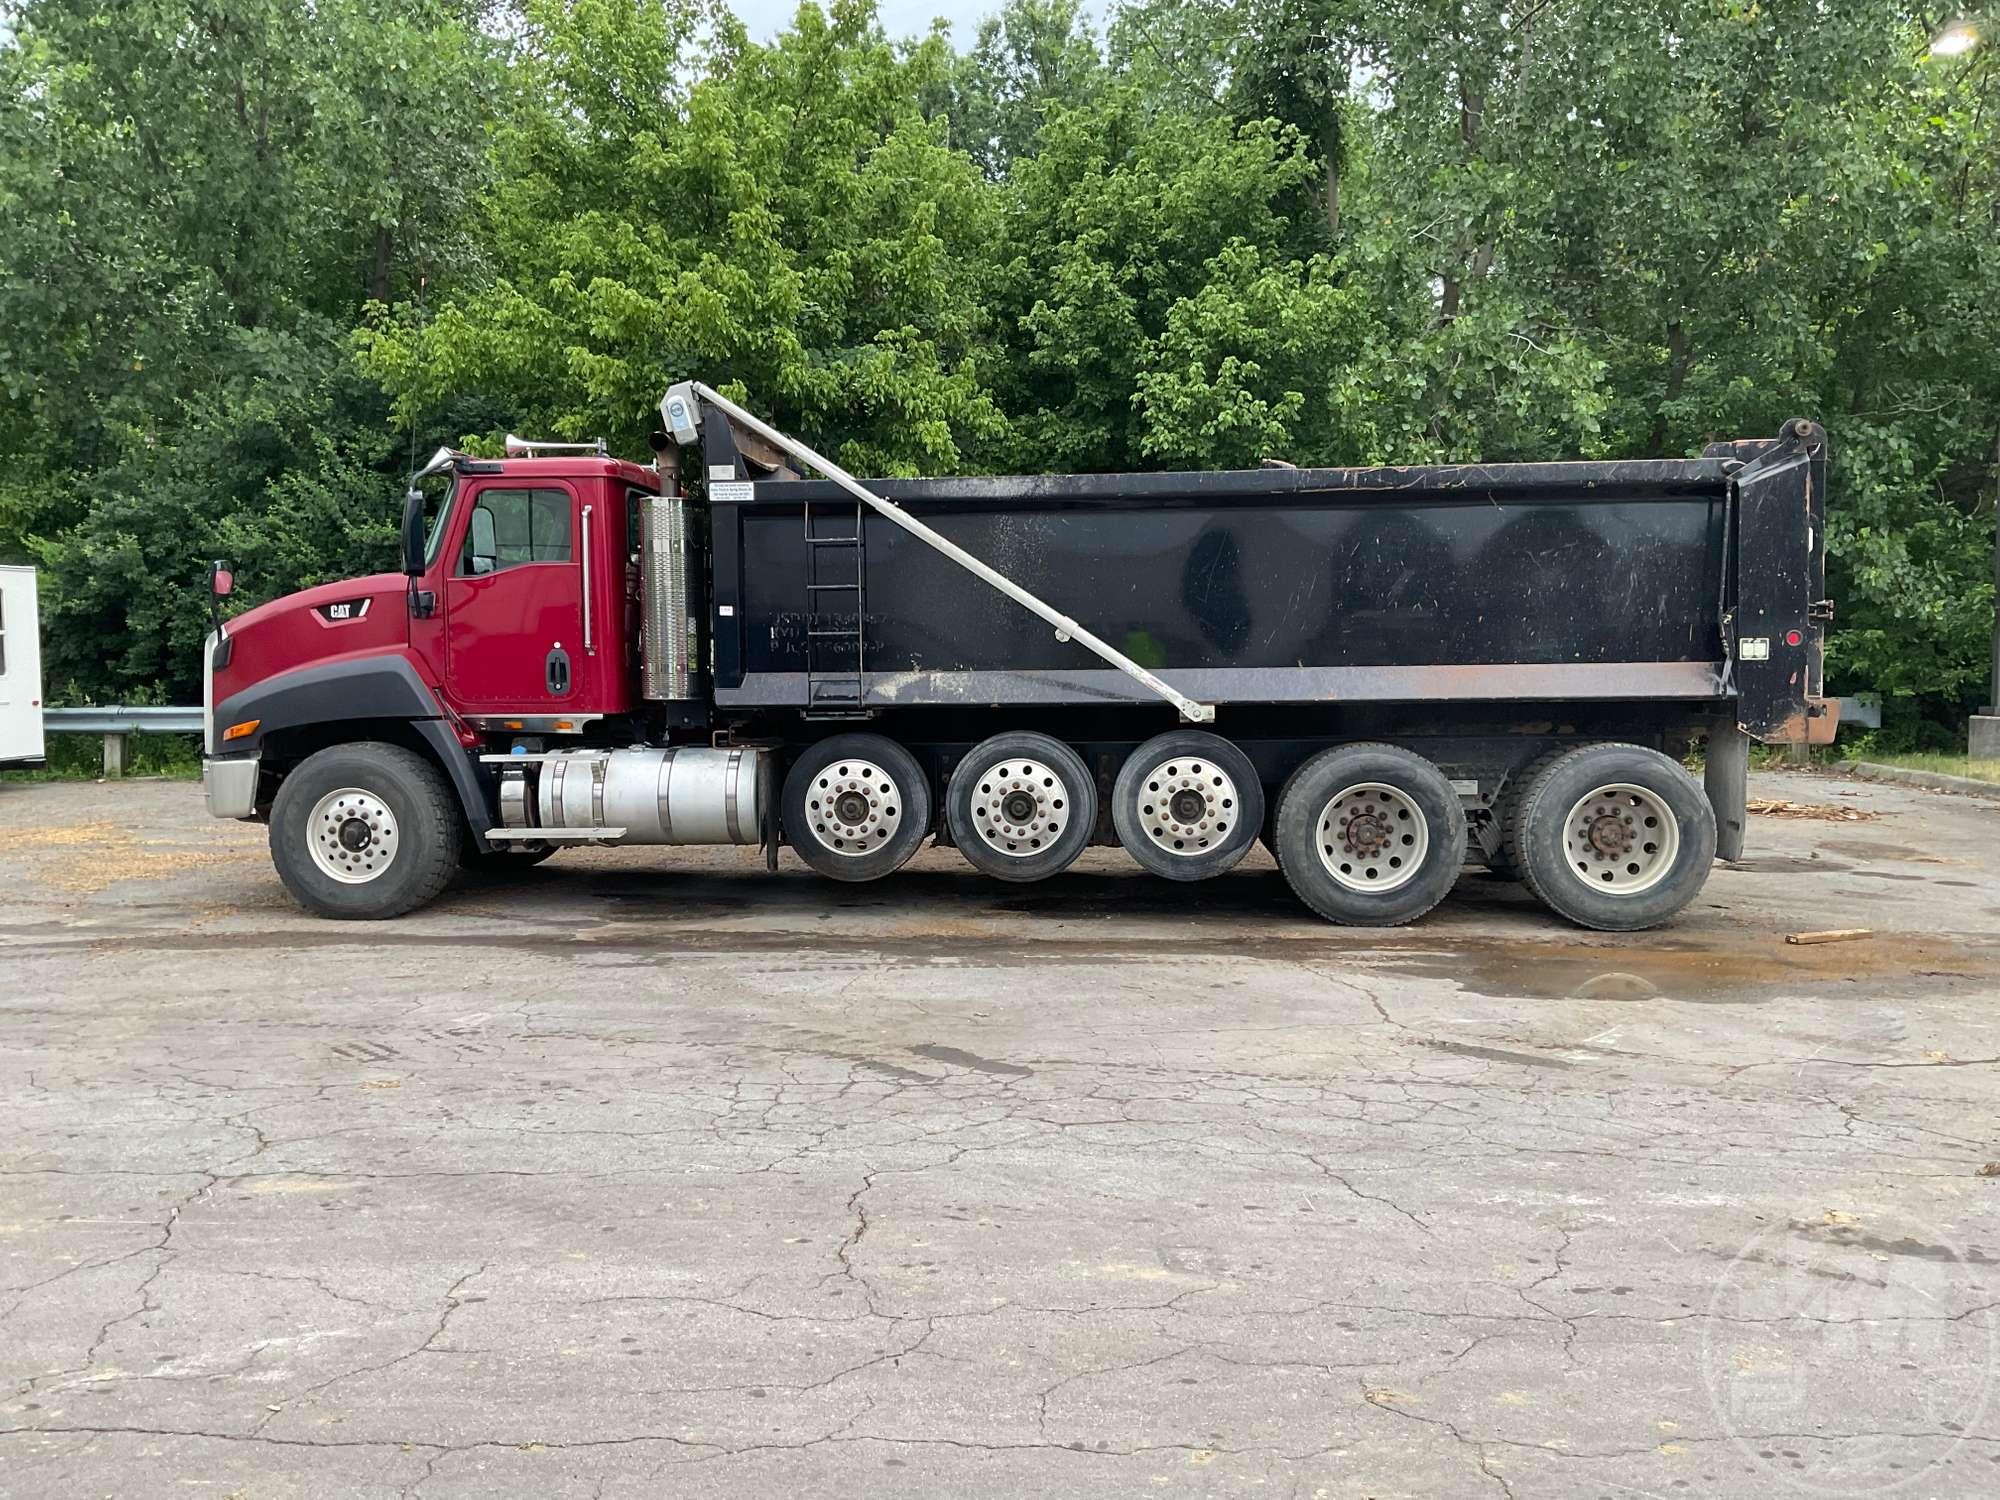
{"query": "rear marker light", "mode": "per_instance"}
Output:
(239, 731)
(1793, 637)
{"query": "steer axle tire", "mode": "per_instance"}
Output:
(364, 832)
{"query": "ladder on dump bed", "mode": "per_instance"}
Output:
(681, 408)
(836, 616)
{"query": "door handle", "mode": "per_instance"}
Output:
(557, 672)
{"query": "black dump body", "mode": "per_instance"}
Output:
(1688, 581)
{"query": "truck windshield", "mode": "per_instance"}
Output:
(439, 492)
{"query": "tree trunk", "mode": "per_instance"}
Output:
(1677, 368)
(1471, 110)
(385, 250)
(1332, 143)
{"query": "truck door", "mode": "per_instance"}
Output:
(513, 607)
(20, 667)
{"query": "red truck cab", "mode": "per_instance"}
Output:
(522, 620)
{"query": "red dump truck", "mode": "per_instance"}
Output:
(1382, 673)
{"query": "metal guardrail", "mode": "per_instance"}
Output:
(121, 720)
(117, 721)
(1862, 711)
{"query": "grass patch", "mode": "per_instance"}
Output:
(80, 757)
(1939, 762)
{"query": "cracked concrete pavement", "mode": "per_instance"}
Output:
(645, 1172)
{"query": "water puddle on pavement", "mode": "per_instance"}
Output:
(1744, 971)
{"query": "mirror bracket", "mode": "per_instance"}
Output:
(221, 584)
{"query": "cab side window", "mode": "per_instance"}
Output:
(510, 527)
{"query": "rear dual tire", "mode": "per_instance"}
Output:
(1187, 805)
(1370, 835)
(1614, 837)
(1021, 807)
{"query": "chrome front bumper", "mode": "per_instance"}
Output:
(231, 785)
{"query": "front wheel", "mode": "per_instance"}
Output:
(364, 832)
(1370, 835)
(1615, 837)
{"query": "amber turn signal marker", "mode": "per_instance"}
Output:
(238, 731)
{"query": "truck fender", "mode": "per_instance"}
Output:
(361, 688)
(464, 777)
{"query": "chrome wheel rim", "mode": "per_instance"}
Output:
(1621, 839)
(352, 835)
(1187, 805)
(853, 806)
(1373, 837)
(1020, 807)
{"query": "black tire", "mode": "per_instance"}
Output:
(1344, 845)
(1507, 862)
(394, 863)
(498, 863)
(1196, 764)
(880, 783)
(1575, 873)
(1063, 795)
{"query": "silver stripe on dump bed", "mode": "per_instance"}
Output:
(1507, 681)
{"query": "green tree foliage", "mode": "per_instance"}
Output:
(1155, 301)
(1030, 57)
(1760, 208)
(196, 203)
(670, 196)
(249, 254)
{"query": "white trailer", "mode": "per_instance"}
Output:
(20, 668)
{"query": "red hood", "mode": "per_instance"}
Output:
(375, 585)
(354, 617)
